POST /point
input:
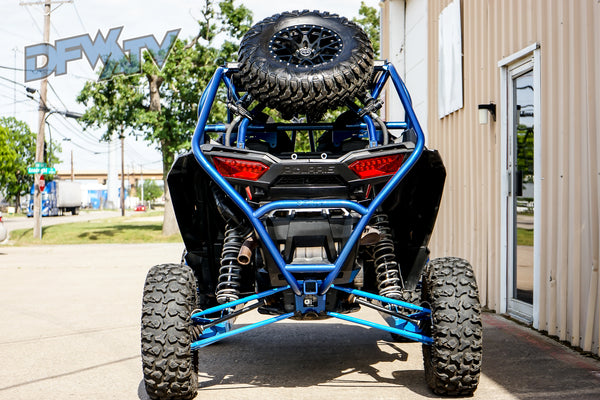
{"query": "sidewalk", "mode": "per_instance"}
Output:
(533, 366)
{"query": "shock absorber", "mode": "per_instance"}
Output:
(389, 280)
(228, 287)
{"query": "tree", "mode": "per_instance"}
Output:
(162, 104)
(17, 153)
(114, 104)
(152, 190)
(369, 21)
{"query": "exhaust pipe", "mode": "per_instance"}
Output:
(370, 236)
(245, 254)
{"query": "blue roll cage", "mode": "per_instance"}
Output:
(217, 329)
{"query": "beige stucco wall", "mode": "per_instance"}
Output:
(470, 220)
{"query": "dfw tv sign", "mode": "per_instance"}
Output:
(43, 59)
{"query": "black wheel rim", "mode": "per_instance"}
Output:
(305, 45)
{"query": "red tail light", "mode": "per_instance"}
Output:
(377, 166)
(241, 169)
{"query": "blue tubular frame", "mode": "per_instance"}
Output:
(254, 215)
(205, 341)
(408, 329)
(221, 128)
(206, 101)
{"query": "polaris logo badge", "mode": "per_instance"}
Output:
(309, 170)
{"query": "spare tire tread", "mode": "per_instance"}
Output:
(293, 90)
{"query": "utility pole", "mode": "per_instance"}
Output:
(122, 172)
(39, 147)
(15, 85)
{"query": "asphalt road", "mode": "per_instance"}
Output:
(70, 330)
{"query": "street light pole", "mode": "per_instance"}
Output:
(122, 172)
(142, 181)
(66, 114)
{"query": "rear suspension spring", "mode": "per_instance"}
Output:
(389, 280)
(230, 272)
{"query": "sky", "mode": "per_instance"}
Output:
(22, 25)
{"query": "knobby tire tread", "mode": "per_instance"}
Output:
(168, 366)
(453, 362)
(306, 91)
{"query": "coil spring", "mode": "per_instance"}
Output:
(389, 280)
(195, 330)
(228, 287)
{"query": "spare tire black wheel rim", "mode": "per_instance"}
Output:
(305, 45)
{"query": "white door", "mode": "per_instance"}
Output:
(522, 136)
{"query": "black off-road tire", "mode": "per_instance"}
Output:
(453, 361)
(309, 77)
(167, 361)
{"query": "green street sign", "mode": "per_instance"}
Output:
(41, 170)
(40, 164)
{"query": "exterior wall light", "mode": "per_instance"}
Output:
(483, 112)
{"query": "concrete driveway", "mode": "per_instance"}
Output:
(70, 330)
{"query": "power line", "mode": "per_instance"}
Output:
(49, 106)
(84, 133)
(56, 94)
(25, 110)
(15, 86)
(57, 131)
(51, 23)
(14, 34)
(79, 17)
(8, 87)
(84, 144)
(71, 75)
(78, 134)
(54, 29)
(11, 81)
(15, 68)
(34, 21)
(14, 102)
(136, 154)
(154, 162)
(19, 97)
(70, 121)
(12, 97)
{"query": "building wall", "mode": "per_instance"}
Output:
(406, 19)
(470, 223)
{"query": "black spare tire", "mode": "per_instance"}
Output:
(305, 62)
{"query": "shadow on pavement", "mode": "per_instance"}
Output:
(306, 354)
(521, 363)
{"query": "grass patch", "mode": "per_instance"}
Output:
(524, 237)
(133, 229)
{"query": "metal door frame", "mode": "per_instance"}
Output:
(510, 68)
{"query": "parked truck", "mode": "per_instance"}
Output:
(58, 197)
